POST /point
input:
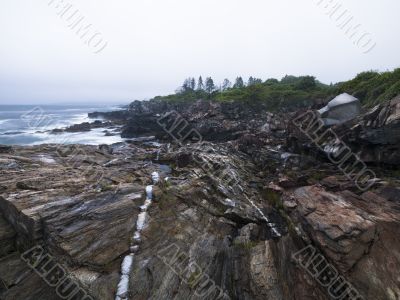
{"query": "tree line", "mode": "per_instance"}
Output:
(290, 92)
(208, 85)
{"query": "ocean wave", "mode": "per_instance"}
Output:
(12, 133)
(93, 137)
(5, 121)
(36, 129)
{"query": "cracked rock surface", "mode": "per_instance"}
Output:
(228, 214)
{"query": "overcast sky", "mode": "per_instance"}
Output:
(152, 45)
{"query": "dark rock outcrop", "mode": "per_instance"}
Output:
(82, 127)
(374, 136)
(230, 210)
(5, 149)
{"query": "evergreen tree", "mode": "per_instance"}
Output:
(210, 87)
(226, 84)
(200, 85)
(272, 81)
(257, 80)
(192, 84)
(251, 81)
(306, 82)
(186, 85)
(238, 83)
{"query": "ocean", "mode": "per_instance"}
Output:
(29, 124)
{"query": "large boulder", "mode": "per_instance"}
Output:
(340, 109)
(355, 233)
(375, 136)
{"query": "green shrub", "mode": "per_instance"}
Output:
(291, 92)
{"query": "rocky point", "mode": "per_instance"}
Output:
(241, 190)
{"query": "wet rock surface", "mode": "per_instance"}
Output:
(227, 216)
(86, 126)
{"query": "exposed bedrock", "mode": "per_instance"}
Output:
(227, 214)
(374, 136)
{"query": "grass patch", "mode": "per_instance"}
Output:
(273, 198)
(317, 176)
(106, 187)
(245, 245)
(193, 279)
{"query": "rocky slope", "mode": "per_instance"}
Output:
(231, 210)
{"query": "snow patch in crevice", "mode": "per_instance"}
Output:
(127, 263)
(137, 236)
(47, 159)
(141, 221)
(229, 202)
(155, 177)
(134, 249)
(146, 205)
(275, 232)
(123, 287)
(149, 192)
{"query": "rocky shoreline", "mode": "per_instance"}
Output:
(241, 191)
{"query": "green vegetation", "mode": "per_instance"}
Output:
(372, 87)
(290, 92)
(317, 175)
(246, 245)
(194, 279)
(274, 199)
(106, 187)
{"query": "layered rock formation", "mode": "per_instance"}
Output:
(229, 212)
(374, 135)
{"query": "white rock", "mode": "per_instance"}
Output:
(340, 109)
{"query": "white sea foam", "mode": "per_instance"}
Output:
(4, 121)
(94, 137)
(33, 126)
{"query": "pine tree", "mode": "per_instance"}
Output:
(210, 87)
(257, 80)
(226, 84)
(238, 83)
(200, 85)
(253, 81)
(192, 84)
(186, 85)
